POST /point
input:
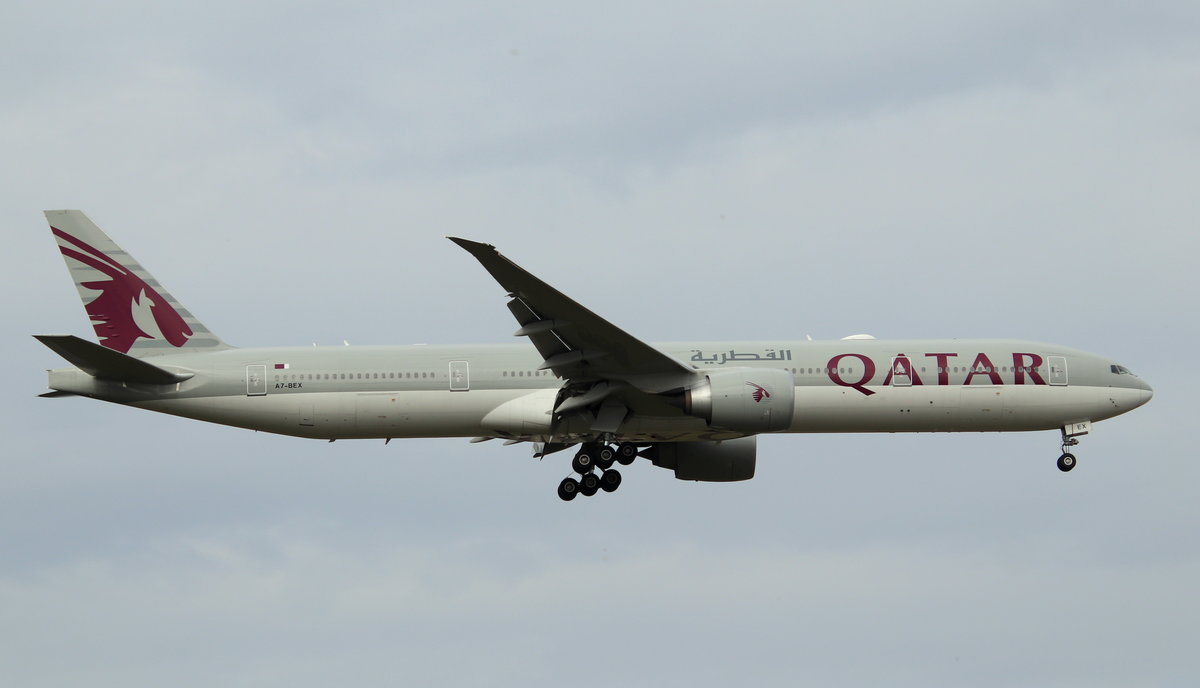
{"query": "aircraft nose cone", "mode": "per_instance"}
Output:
(1144, 392)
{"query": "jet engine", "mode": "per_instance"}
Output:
(718, 462)
(744, 399)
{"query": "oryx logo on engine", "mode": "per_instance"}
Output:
(759, 392)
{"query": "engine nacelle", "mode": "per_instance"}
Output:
(744, 399)
(718, 462)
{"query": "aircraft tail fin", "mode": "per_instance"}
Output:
(105, 364)
(130, 310)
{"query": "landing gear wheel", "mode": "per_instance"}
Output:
(626, 453)
(589, 484)
(605, 457)
(1066, 462)
(584, 461)
(567, 489)
(610, 481)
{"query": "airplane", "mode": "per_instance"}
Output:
(695, 408)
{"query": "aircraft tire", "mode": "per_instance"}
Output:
(1066, 462)
(589, 484)
(610, 481)
(626, 453)
(584, 462)
(568, 489)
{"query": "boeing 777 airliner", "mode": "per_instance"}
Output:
(695, 408)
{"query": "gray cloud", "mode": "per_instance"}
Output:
(687, 171)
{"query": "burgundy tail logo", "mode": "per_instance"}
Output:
(759, 392)
(123, 298)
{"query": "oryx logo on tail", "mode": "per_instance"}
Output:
(127, 309)
(759, 392)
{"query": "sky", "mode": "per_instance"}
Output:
(690, 171)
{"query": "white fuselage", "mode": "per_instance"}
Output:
(498, 391)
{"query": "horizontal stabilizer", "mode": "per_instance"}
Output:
(56, 394)
(106, 364)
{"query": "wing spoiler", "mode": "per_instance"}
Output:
(106, 364)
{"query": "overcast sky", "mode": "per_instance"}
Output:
(688, 170)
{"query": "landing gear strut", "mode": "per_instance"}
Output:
(591, 456)
(1070, 433)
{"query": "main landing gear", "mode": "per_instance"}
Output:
(591, 456)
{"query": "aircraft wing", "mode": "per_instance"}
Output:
(575, 343)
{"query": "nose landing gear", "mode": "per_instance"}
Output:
(1070, 434)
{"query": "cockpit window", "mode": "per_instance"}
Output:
(1120, 370)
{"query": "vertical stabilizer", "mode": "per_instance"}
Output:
(131, 312)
